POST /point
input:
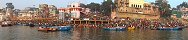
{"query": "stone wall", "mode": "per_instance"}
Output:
(134, 15)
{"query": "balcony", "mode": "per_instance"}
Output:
(126, 2)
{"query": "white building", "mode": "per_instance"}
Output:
(3, 17)
(72, 9)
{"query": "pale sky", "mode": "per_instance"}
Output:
(21, 4)
(173, 3)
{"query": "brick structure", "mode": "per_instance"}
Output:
(136, 9)
(184, 12)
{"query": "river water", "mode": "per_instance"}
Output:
(31, 33)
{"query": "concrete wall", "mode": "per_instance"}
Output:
(133, 15)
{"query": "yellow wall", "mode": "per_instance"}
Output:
(137, 10)
(136, 2)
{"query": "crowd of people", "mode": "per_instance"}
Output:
(138, 23)
(146, 23)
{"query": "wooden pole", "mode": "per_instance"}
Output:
(74, 21)
(95, 22)
(102, 22)
(108, 21)
(86, 21)
(89, 22)
(80, 22)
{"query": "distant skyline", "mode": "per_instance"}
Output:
(21, 4)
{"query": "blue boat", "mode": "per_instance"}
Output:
(169, 28)
(64, 28)
(115, 28)
(105, 28)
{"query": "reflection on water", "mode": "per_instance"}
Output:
(31, 33)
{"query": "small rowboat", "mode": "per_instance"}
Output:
(64, 28)
(46, 29)
(31, 25)
(6, 23)
(131, 27)
(120, 28)
(169, 28)
(115, 28)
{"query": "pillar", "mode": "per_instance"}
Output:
(102, 21)
(108, 22)
(95, 22)
(74, 22)
(86, 22)
(80, 22)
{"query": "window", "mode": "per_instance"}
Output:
(132, 5)
(140, 6)
(73, 6)
(121, 9)
(127, 5)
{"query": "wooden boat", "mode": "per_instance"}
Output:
(31, 25)
(46, 29)
(6, 23)
(120, 28)
(131, 27)
(169, 28)
(64, 28)
(109, 28)
(115, 28)
(18, 23)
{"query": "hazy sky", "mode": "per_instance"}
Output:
(21, 4)
(173, 3)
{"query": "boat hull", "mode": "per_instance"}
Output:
(115, 29)
(174, 28)
(109, 28)
(46, 29)
(31, 25)
(131, 28)
(64, 28)
(6, 23)
(120, 29)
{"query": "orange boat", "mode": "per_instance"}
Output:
(46, 29)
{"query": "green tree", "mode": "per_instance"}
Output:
(83, 5)
(107, 7)
(164, 8)
(95, 7)
(184, 4)
(178, 14)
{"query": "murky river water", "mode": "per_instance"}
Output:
(31, 33)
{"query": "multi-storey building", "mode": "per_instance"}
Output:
(53, 11)
(184, 12)
(73, 9)
(28, 13)
(44, 10)
(136, 9)
(9, 10)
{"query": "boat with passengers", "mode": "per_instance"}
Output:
(115, 28)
